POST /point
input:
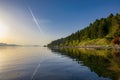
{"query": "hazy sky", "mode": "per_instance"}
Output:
(41, 21)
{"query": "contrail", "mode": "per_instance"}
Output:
(34, 18)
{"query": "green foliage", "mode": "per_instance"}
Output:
(105, 28)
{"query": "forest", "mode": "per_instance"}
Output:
(101, 32)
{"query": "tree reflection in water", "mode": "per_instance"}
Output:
(105, 63)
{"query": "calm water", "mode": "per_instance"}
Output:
(38, 63)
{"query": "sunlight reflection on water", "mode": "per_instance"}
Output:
(38, 63)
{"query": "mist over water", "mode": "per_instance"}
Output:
(39, 63)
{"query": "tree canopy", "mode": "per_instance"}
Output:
(101, 28)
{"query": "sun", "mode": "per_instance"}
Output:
(3, 30)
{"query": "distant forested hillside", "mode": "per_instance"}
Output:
(5, 44)
(100, 32)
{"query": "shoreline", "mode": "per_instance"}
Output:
(89, 46)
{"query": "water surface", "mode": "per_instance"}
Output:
(38, 63)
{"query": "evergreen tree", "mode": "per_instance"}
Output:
(103, 28)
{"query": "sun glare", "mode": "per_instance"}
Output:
(3, 30)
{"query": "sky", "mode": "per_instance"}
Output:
(41, 21)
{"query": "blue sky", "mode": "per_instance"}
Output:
(41, 21)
